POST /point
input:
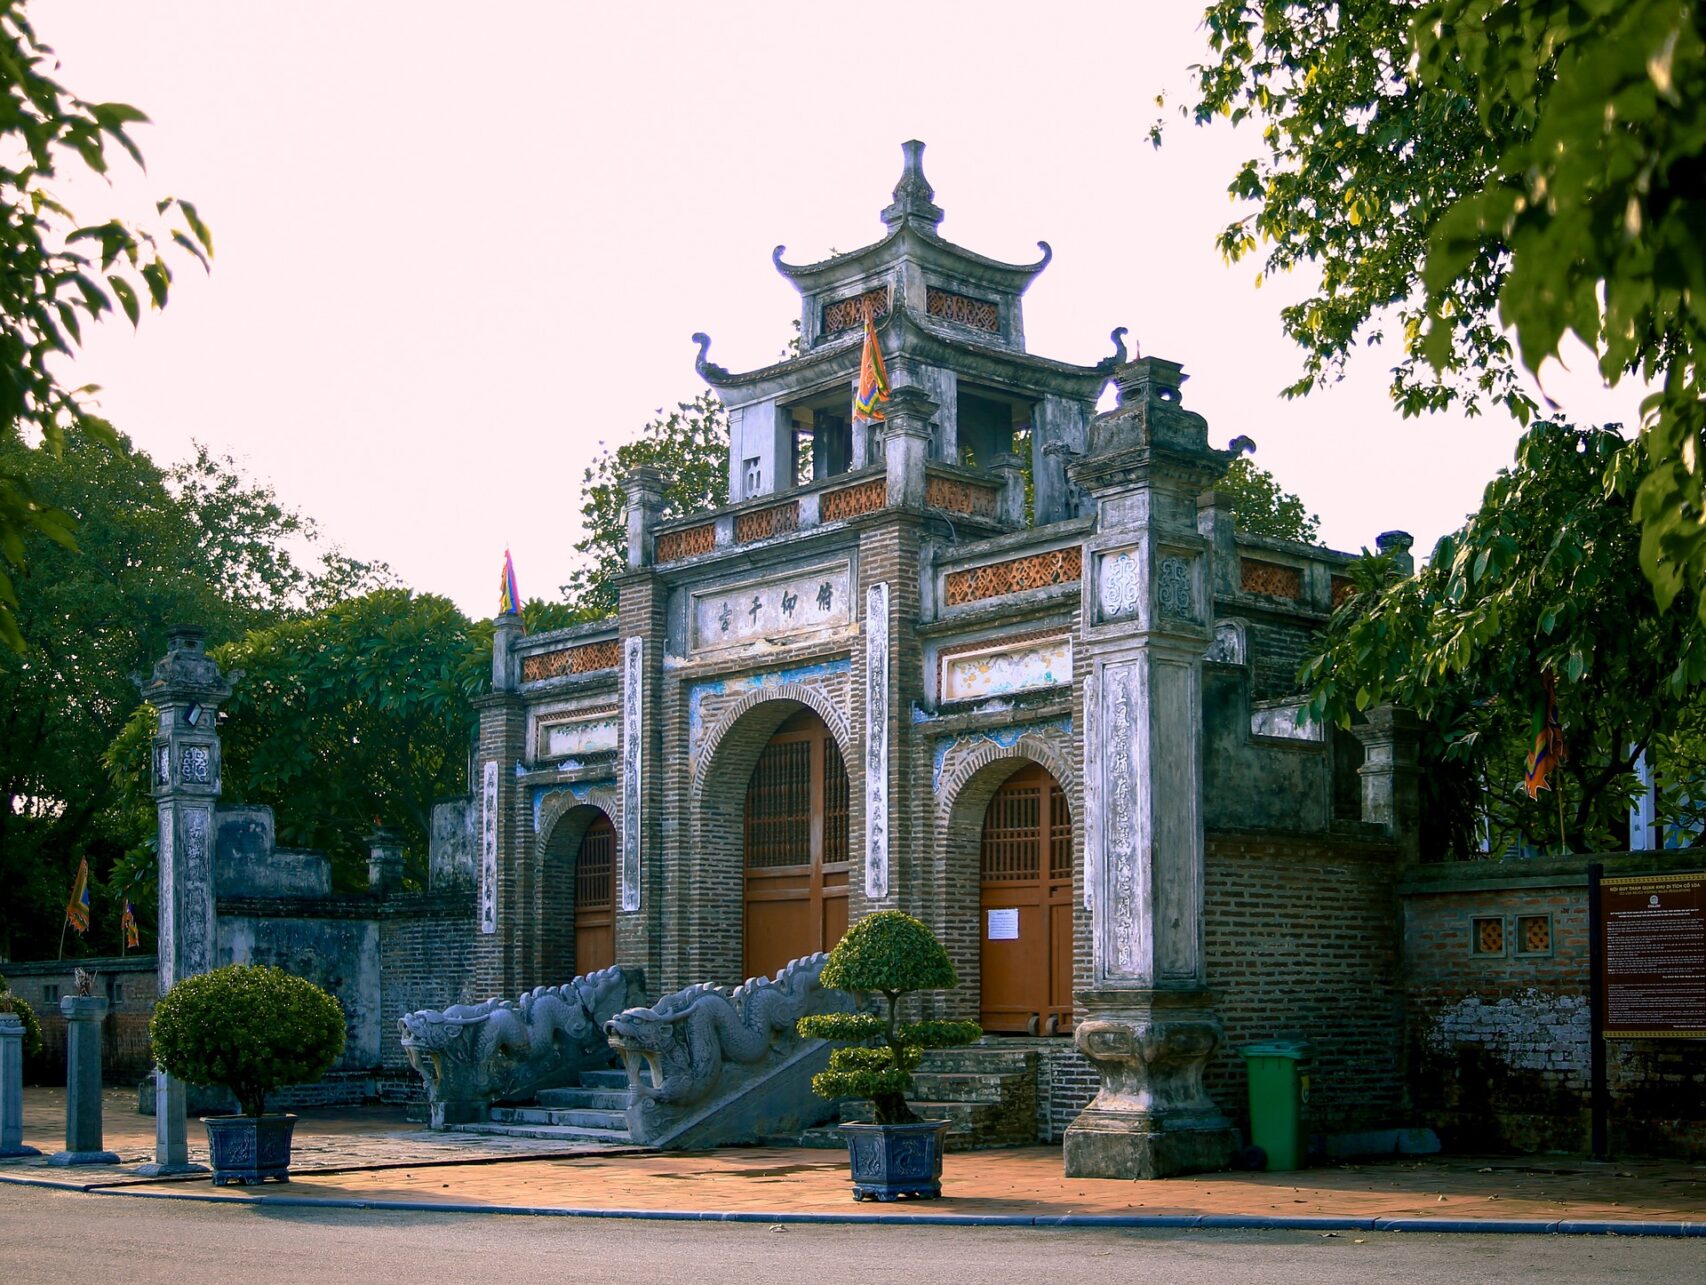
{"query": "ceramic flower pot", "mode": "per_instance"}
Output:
(249, 1149)
(894, 1160)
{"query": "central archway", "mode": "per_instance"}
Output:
(796, 858)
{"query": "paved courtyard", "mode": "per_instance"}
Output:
(377, 1156)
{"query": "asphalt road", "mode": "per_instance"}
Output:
(54, 1236)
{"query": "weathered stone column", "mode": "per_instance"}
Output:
(384, 862)
(1011, 505)
(1398, 544)
(83, 1143)
(1147, 1023)
(1391, 774)
(644, 489)
(186, 691)
(906, 445)
(12, 1088)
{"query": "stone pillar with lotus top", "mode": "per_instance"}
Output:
(1147, 1022)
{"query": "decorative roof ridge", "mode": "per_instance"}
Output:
(797, 272)
(959, 338)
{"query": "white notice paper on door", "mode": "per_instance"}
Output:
(1004, 924)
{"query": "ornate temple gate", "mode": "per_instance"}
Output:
(1027, 906)
(796, 846)
(595, 898)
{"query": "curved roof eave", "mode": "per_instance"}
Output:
(810, 276)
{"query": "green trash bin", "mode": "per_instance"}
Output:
(1279, 1090)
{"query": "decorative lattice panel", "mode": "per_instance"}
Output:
(958, 496)
(851, 501)
(1534, 934)
(979, 314)
(834, 804)
(595, 868)
(1489, 936)
(1343, 587)
(844, 314)
(588, 658)
(1012, 838)
(778, 519)
(684, 544)
(1058, 566)
(1271, 578)
(779, 807)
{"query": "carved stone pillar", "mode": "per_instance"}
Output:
(1146, 1022)
(186, 691)
(1391, 774)
(1011, 504)
(384, 862)
(906, 445)
(644, 509)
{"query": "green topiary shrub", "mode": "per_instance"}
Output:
(10, 1003)
(249, 1029)
(889, 954)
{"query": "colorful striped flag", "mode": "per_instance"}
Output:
(127, 921)
(509, 597)
(77, 909)
(873, 379)
(1547, 750)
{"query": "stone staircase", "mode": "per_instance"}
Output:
(594, 1112)
(988, 1092)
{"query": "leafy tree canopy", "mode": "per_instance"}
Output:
(1543, 579)
(354, 716)
(690, 446)
(1261, 507)
(1463, 171)
(59, 273)
(156, 547)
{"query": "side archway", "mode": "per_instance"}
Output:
(1010, 845)
(575, 915)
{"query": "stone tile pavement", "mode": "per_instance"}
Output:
(375, 1157)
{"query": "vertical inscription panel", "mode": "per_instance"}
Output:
(1123, 929)
(168, 928)
(1177, 856)
(633, 759)
(877, 741)
(489, 848)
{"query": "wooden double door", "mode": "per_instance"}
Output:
(1026, 875)
(595, 898)
(796, 846)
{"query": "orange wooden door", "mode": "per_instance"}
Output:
(1027, 907)
(796, 846)
(595, 898)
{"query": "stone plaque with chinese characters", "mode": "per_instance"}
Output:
(792, 603)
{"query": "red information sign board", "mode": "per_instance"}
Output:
(1653, 928)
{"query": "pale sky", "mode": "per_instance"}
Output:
(458, 246)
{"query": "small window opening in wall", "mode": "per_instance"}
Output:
(752, 477)
(1534, 935)
(1487, 936)
(50, 994)
(118, 992)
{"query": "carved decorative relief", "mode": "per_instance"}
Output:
(877, 741)
(162, 765)
(1175, 588)
(997, 579)
(1120, 790)
(671, 545)
(761, 524)
(1121, 584)
(489, 848)
(196, 928)
(976, 670)
(979, 314)
(633, 758)
(569, 735)
(195, 764)
(851, 501)
(844, 314)
(1272, 578)
(166, 946)
(956, 495)
(1228, 645)
(588, 658)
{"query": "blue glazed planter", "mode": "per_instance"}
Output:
(894, 1160)
(249, 1149)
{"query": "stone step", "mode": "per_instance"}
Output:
(585, 1099)
(607, 1121)
(554, 1132)
(984, 1059)
(614, 1079)
(960, 1115)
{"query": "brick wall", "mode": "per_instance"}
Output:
(1302, 942)
(1498, 1042)
(427, 944)
(1277, 647)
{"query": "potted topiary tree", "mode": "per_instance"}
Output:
(249, 1029)
(889, 954)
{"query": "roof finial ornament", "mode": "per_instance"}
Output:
(913, 196)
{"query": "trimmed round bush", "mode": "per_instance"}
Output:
(889, 954)
(247, 1028)
(10, 1003)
